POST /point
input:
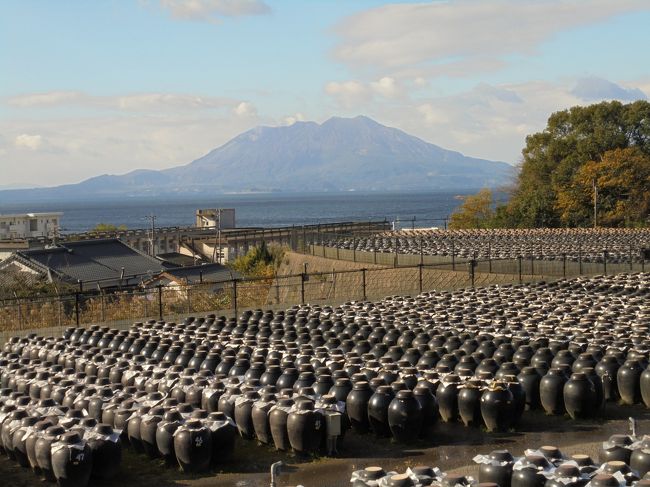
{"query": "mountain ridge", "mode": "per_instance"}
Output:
(339, 154)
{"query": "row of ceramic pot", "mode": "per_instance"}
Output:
(623, 460)
(396, 342)
(585, 244)
(66, 448)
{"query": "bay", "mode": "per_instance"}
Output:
(254, 210)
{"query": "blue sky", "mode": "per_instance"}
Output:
(106, 87)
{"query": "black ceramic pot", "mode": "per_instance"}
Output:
(551, 391)
(378, 410)
(497, 407)
(356, 406)
(193, 446)
(405, 417)
(278, 417)
(469, 403)
(305, 428)
(72, 461)
(498, 470)
(579, 396)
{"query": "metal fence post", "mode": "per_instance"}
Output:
(396, 255)
(629, 255)
(363, 283)
(564, 265)
(472, 264)
(580, 260)
(519, 266)
(605, 262)
(421, 253)
(20, 314)
(160, 303)
(76, 307)
(354, 249)
(234, 295)
(101, 297)
(489, 258)
(420, 277)
(302, 288)
(453, 256)
(532, 265)
(374, 249)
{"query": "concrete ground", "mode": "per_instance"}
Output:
(450, 447)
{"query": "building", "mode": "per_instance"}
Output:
(215, 274)
(209, 218)
(29, 225)
(87, 265)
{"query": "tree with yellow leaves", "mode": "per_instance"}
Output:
(622, 180)
(476, 211)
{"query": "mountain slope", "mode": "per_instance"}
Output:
(339, 154)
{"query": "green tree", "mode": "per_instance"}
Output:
(260, 261)
(477, 211)
(571, 139)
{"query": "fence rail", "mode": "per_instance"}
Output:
(393, 274)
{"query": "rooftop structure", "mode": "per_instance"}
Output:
(210, 217)
(88, 264)
(29, 225)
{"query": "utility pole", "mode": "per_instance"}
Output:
(152, 238)
(595, 203)
(218, 239)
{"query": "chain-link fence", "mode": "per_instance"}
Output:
(400, 274)
(560, 265)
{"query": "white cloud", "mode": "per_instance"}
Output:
(486, 121)
(353, 93)
(458, 37)
(245, 110)
(213, 10)
(47, 99)
(291, 119)
(137, 102)
(74, 149)
(385, 86)
(59, 143)
(593, 88)
(27, 141)
(432, 116)
(148, 101)
(348, 93)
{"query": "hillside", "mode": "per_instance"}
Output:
(338, 155)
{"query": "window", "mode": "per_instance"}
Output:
(33, 225)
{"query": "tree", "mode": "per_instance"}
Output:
(108, 227)
(622, 177)
(475, 212)
(571, 139)
(260, 261)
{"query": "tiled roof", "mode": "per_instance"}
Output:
(205, 272)
(94, 262)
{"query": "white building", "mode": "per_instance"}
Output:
(209, 218)
(29, 225)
